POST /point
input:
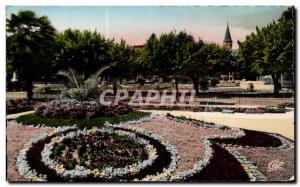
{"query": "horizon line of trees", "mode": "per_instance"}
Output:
(34, 50)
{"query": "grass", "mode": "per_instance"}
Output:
(32, 119)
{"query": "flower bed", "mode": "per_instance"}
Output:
(19, 105)
(107, 154)
(98, 154)
(238, 156)
(274, 164)
(125, 152)
(206, 169)
(74, 109)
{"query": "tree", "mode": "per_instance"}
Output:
(140, 66)
(210, 60)
(219, 58)
(270, 50)
(151, 55)
(197, 66)
(165, 56)
(194, 67)
(287, 32)
(165, 63)
(121, 56)
(186, 46)
(83, 51)
(244, 59)
(29, 45)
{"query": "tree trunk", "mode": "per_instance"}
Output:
(29, 87)
(176, 87)
(196, 86)
(115, 88)
(277, 85)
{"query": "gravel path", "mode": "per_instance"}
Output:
(14, 116)
(17, 136)
(282, 124)
(187, 139)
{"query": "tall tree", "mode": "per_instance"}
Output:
(30, 44)
(196, 67)
(244, 59)
(139, 64)
(121, 63)
(210, 60)
(151, 54)
(83, 51)
(166, 54)
(270, 50)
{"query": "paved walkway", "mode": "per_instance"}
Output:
(14, 116)
(17, 136)
(282, 123)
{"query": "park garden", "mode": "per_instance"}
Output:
(176, 109)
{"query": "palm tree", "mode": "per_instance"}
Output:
(30, 42)
(81, 87)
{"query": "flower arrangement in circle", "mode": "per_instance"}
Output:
(112, 153)
(98, 153)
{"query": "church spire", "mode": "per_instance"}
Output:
(227, 42)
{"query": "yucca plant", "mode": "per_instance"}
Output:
(81, 87)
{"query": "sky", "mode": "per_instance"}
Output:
(136, 23)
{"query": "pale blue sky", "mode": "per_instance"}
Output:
(136, 23)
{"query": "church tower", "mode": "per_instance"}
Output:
(227, 42)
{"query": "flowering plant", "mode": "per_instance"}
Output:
(71, 108)
(18, 105)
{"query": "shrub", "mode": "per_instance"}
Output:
(284, 105)
(74, 109)
(214, 82)
(251, 87)
(19, 105)
(141, 81)
(275, 110)
(203, 84)
(82, 87)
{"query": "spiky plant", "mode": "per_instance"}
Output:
(81, 87)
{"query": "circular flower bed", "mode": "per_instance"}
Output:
(107, 154)
(98, 153)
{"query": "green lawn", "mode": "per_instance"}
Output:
(32, 119)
